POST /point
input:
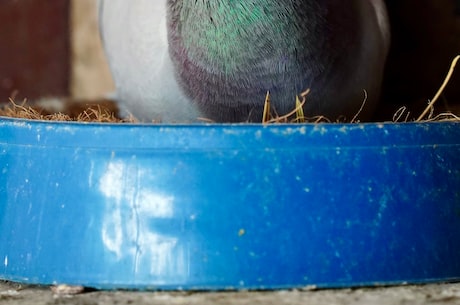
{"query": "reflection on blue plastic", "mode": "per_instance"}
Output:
(229, 206)
(130, 204)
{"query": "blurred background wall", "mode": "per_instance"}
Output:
(90, 75)
(52, 47)
(425, 39)
(34, 47)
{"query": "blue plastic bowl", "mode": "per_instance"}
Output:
(229, 206)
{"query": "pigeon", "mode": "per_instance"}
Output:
(180, 61)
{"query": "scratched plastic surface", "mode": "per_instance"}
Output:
(229, 206)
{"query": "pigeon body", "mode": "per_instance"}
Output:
(177, 60)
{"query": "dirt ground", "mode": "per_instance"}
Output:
(15, 294)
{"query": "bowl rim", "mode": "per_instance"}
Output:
(40, 133)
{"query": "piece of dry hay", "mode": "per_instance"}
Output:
(100, 111)
(428, 115)
(429, 110)
(295, 116)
